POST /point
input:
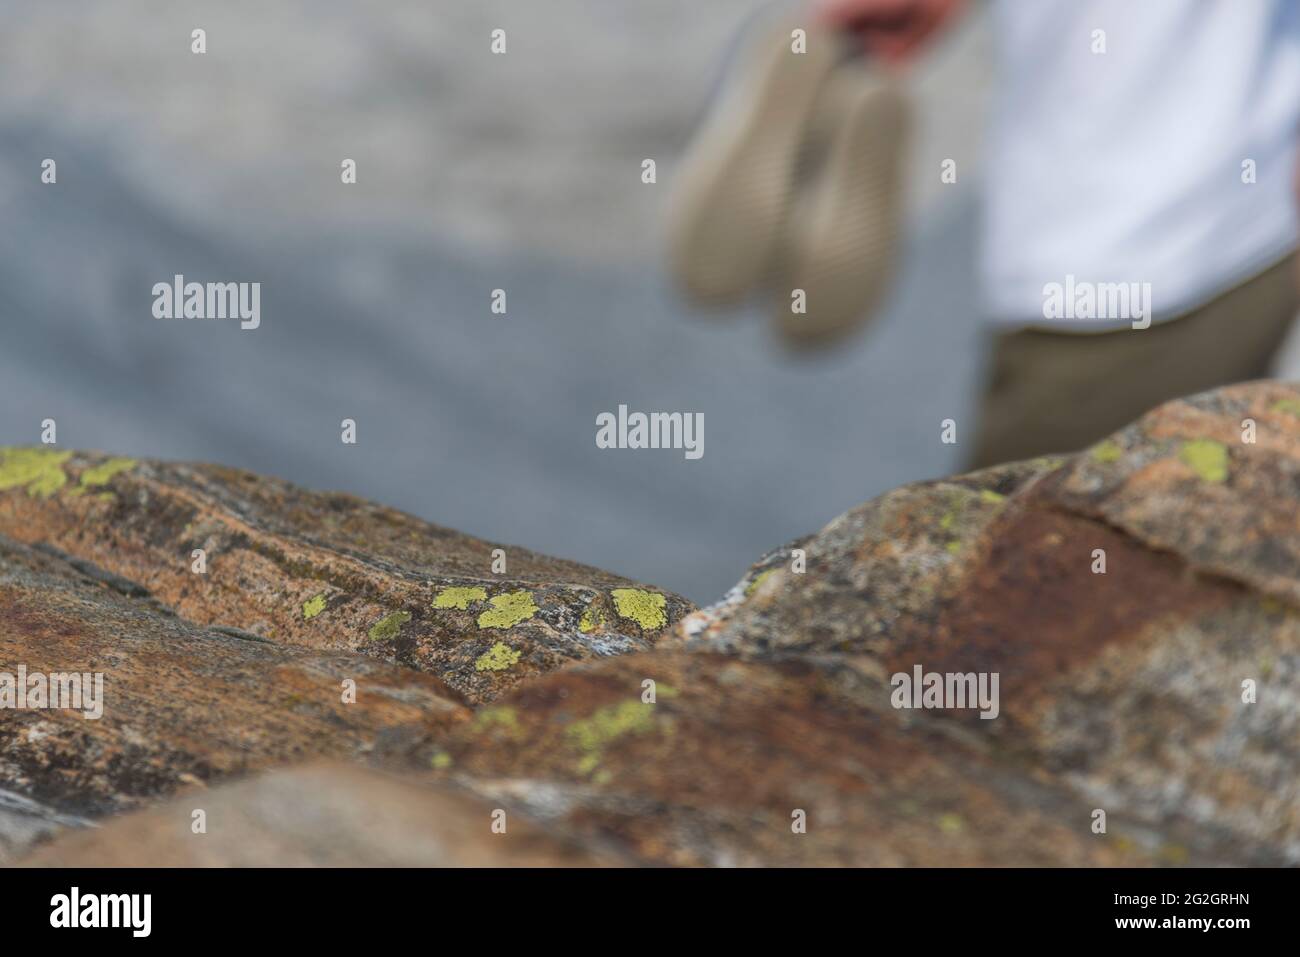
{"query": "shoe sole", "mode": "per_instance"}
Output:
(731, 194)
(841, 239)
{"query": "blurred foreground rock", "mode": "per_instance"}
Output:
(1139, 603)
(180, 704)
(316, 816)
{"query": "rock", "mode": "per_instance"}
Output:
(325, 570)
(317, 816)
(868, 569)
(720, 768)
(1137, 602)
(1124, 685)
(24, 823)
(180, 705)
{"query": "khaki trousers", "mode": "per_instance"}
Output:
(1060, 392)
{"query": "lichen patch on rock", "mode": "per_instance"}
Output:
(497, 658)
(646, 608)
(313, 606)
(459, 597)
(389, 627)
(508, 610)
(37, 471)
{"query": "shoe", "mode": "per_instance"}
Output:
(841, 233)
(731, 194)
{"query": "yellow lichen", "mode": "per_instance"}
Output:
(313, 606)
(591, 620)
(1291, 406)
(457, 597)
(1207, 458)
(592, 734)
(1047, 462)
(646, 608)
(1106, 452)
(390, 626)
(1174, 854)
(440, 761)
(101, 474)
(951, 823)
(959, 501)
(758, 580)
(497, 658)
(39, 471)
(503, 717)
(508, 610)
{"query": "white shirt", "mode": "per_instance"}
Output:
(1126, 166)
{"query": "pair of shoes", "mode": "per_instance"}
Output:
(792, 186)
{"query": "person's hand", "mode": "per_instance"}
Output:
(891, 29)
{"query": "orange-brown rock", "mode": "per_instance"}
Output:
(324, 570)
(1138, 600)
(1138, 604)
(782, 762)
(179, 704)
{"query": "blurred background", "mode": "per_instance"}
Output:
(474, 172)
